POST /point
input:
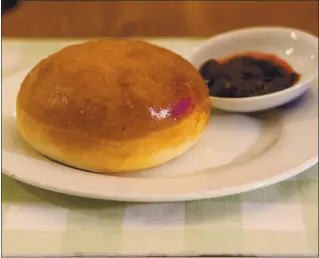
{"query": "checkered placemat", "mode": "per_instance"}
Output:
(278, 220)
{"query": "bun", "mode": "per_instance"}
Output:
(112, 105)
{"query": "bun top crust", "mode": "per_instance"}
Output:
(113, 88)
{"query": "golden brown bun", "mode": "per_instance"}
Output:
(112, 105)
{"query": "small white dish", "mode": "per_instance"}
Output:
(236, 153)
(297, 48)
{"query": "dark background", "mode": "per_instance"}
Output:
(157, 18)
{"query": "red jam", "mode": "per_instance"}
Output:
(247, 75)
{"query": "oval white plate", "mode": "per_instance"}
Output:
(237, 153)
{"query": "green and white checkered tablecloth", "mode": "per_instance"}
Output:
(278, 220)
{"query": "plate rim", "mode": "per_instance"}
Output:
(176, 198)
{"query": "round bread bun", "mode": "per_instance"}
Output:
(112, 105)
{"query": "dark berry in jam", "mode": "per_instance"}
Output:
(247, 75)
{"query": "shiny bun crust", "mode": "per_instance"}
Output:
(112, 105)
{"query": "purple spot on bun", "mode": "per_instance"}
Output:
(182, 107)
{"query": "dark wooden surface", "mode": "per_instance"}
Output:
(141, 18)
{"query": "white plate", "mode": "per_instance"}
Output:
(237, 153)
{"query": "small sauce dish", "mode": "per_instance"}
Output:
(297, 48)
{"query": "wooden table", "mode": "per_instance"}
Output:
(146, 18)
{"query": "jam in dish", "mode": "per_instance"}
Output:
(247, 75)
